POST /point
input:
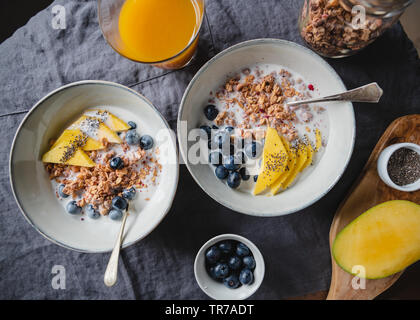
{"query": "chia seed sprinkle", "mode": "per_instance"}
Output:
(70, 149)
(404, 166)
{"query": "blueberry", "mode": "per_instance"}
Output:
(146, 142)
(235, 262)
(215, 158)
(213, 254)
(234, 180)
(221, 270)
(221, 139)
(207, 130)
(244, 174)
(91, 212)
(60, 191)
(132, 137)
(213, 274)
(246, 276)
(221, 172)
(256, 178)
(253, 150)
(240, 156)
(115, 214)
(129, 194)
(229, 129)
(211, 112)
(132, 124)
(242, 250)
(232, 282)
(231, 163)
(119, 203)
(225, 247)
(73, 208)
(249, 262)
(214, 127)
(116, 163)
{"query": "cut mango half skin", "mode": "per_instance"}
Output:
(384, 240)
(275, 157)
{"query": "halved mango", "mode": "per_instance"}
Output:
(275, 187)
(112, 121)
(79, 158)
(275, 158)
(384, 240)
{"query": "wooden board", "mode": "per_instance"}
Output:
(368, 191)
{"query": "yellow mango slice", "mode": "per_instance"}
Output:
(112, 121)
(275, 158)
(70, 134)
(79, 158)
(318, 139)
(103, 131)
(310, 153)
(382, 241)
(300, 161)
(275, 187)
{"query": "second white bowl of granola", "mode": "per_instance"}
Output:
(278, 159)
(102, 113)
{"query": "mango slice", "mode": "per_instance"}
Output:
(309, 153)
(275, 187)
(300, 159)
(275, 158)
(70, 134)
(318, 139)
(103, 131)
(79, 158)
(384, 240)
(113, 122)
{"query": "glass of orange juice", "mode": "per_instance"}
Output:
(163, 33)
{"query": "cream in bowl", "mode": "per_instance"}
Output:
(81, 168)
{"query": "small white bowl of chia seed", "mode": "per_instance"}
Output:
(399, 166)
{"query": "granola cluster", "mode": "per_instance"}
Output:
(263, 100)
(100, 184)
(327, 27)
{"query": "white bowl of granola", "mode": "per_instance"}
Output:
(243, 91)
(151, 171)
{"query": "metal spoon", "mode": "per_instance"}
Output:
(367, 93)
(111, 271)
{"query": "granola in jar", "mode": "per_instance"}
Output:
(339, 28)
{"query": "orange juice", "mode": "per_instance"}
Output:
(156, 30)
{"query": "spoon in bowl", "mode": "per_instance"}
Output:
(368, 93)
(111, 271)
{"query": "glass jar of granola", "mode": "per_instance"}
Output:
(339, 28)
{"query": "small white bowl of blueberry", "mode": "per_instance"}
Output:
(229, 267)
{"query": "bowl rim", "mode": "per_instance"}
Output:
(248, 43)
(45, 98)
(229, 236)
